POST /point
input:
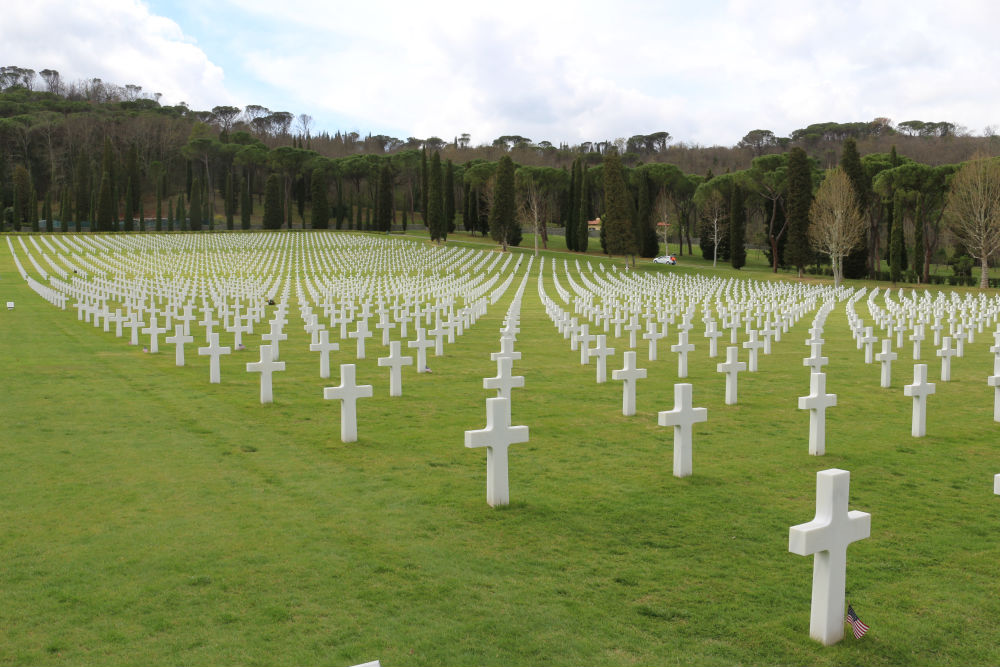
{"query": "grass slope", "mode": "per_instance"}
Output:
(150, 517)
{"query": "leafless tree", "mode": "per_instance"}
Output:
(973, 210)
(713, 211)
(836, 224)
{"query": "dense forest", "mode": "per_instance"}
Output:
(94, 155)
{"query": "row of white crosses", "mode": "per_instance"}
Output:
(498, 434)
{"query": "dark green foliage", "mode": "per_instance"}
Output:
(170, 215)
(798, 251)
(896, 246)
(571, 205)
(424, 185)
(503, 217)
(320, 206)
(196, 210)
(33, 210)
(207, 216)
(919, 250)
(230, 200)
(384, 205)
(737, 228)
(582, 231)
(618, 217)
(105, 206)
(645, 228)
(435, 204)
(21, 196)
(129, 211)
(245, 205)
(273, 208)
(468, 213)
(159, 203)
(182, 222)
(449, 195)
(47, 210)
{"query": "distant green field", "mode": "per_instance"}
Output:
(149, 517)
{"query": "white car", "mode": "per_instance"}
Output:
(665, 259)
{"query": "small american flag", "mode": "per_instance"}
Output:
(859, 628)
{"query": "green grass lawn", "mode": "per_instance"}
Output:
(152, 518)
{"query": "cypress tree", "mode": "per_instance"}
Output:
(245, 205)
(798, 252)
(404, 219)
(170, 215)
(424, 184)
(105, 214)
(583, 213)
(896, 239)
(288, 208)
(467, 219)
(385, 198)
(340, 201)
(649, 243)
(737, 228)
(194, 205)
(65, 210)
(435, 209)
(82, 187)
(320, 207)
(503, 217)
(141, 217)
(159, 202)
(449, 196)
(33, 210)
(273, 209)
(181, 214)
(572, 206)
(129, 213)
(919, 251)
(47, 210)
(860, 259)
(230, 203)
(618, 218)
(206, 211)
(92, 216)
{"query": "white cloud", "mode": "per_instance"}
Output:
(118, 41)
(589, 71)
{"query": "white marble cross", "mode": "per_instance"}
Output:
(504, 380)
(274, 337)
(628, 375)
(946, 353)
(266, 367)
(916, 337)
(826, 538)
(602, 352)
(583, 338)
(868, 340)
(178, 339)
(682, 348)
(754, 346)
(653, 335)
(886, 357)
(732, 367)
(496, 438)
(395, 361)
(682, 417)
(421, 344)
(214, 351)
(324, 347)
(994, 381)
(348, 392)
(506, 349)
(919, 390)
(712, 334)
(154, 331)
(360, 333)
(816, 403)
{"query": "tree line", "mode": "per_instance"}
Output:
(99, 156)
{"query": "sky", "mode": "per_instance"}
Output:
(706, 72)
